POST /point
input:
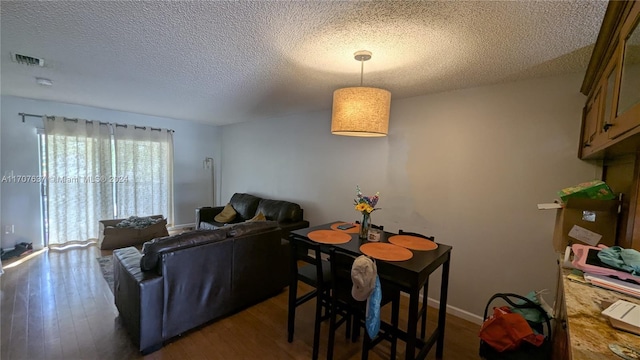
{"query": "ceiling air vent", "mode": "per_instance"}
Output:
(27, 60)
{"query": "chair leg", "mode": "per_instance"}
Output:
(355, 333)
(395, 311)
(316, 329)
(423, 326)
(291, 316)
(348, 332)
(332, 332)
(366, 344)
(326, 304)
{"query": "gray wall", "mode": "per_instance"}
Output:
(19, 150)
(467, 166)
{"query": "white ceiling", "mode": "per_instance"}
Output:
(226, 62)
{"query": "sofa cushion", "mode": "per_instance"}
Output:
(226, 215)
(280, 211)
(245, 205)
(251, 227)
(151, 250)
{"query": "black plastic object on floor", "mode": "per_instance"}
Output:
(19, 249)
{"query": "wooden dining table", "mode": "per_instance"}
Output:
(409, 276)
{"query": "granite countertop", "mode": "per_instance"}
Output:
(589, 332)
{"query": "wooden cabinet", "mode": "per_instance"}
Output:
(560, 336)
(621, 174)
(626, 116)
(611, 116)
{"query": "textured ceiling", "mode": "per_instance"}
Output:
(226, 62)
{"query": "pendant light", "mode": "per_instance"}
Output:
(361, 111)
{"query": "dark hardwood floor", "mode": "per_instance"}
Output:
(58, 306)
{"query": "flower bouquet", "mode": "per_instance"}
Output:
(365, 205)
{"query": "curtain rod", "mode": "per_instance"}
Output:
(23, 115)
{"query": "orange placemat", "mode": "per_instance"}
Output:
(329, 237)
(386, 251)
(353, 230)
(413, 242)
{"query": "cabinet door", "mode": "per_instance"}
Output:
(628, 99)
(588, 128)
(610, 94)
(593, 134)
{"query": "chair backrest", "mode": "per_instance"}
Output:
(402, 232)
(341, 284)
(309, 252)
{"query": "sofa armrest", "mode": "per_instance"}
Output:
(207, 214)
(259, 268)
(290, 226)
(139, 299)
(197, 282)
(284, 269)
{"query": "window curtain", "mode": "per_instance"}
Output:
(78, 165)
(144, 171)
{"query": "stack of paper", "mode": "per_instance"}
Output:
(610, 283)
(624, 315)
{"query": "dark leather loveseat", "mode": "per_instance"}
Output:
(183, 281)
(288, 215)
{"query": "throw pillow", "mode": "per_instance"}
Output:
(226, 215)
(259, 217)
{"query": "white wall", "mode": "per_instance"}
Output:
(467, 166)
(19, 150)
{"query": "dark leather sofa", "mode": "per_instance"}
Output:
(183, 281)
(288, 215)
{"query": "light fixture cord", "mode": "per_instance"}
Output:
(361, 71)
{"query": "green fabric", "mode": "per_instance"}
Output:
(530, 314)
(624, 259)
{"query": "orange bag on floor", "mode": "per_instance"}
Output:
(505, 331)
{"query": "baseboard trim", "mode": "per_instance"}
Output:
(463, 314)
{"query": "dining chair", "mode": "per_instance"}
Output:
(422, 313)
(316, 273)
(344, 305)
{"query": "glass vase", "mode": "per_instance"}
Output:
(365, 225)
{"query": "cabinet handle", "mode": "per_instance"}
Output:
(586, 145)
(606, 127)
